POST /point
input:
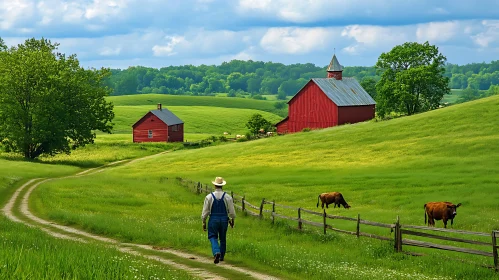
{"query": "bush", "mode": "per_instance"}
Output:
(306, 129)
(279, 105)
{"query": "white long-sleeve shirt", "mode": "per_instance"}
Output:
(208, 202)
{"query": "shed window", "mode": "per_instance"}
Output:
(149, 134)
(174, 128)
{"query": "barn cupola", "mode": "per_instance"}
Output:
(335, 70)
(160, 107)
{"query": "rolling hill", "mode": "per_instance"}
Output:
(384, 170)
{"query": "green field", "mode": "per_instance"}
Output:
(182, 100)
(384, 169)
(197, 119)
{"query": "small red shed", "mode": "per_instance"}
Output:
(159, 125)
(327, 102)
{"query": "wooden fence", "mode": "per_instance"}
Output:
(398, 229)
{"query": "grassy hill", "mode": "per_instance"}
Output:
(384, 169)
(197, 119)
(183, 100)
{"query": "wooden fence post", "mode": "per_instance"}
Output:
(242, 203)
(324, 218)
(232, 195)
(261, 208)
(206, 188)
(358, 225)
(494, 249)
(273, 211)
(299, 219)
(398, 237)
(198, 189)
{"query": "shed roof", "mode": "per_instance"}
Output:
(334, 65)
(344, 92)
(167, 116)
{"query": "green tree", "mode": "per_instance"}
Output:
(127, 84)
(254, 84)
(412, 79)
(369, 85)
(493, 90)
(48, 103)
(257, 122)
(3, 47)
(468, 94)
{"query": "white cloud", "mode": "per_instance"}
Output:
(489, 35)
(294, 40)
(375, 35)
(244, 55)
(15, 12)
(107, 51)
(255, 4)
(105, 9)
(295, 11)
(353, 49)
(438, 31)
(169, 48)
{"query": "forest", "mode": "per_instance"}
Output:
(257, 78)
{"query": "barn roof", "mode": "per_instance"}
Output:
(164, 115)
(344, 92)
(167, 116)
(334, 65)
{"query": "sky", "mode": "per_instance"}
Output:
(161, 33)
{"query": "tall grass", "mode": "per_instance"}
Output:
(27, 253)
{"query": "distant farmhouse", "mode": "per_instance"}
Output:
(326, 102)
(159, 125)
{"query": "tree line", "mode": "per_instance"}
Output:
(258, 78)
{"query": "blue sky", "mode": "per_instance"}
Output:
(159, 33)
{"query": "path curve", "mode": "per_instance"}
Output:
(123, 247)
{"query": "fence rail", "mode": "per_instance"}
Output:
(398, 229)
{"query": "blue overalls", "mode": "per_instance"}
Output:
(217, 225)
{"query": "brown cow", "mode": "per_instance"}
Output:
(440, 211)
(330, 198)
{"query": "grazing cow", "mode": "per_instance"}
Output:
(226, 133)
(270, 133)
(440, 211)
(330, 198)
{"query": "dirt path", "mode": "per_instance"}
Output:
(81, 236)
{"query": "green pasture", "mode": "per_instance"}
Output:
(197, 119)
(384, 170)
(151, 101)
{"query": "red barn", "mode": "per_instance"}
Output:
(159, 125)
(326, 102)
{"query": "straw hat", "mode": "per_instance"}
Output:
(219, 181)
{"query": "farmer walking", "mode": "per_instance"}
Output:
(220, 207)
